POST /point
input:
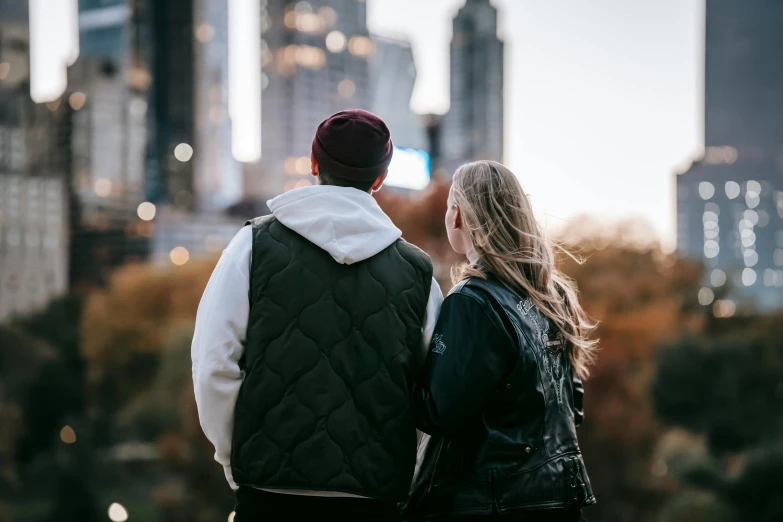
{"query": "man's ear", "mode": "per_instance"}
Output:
(379, 182)
(313, 166)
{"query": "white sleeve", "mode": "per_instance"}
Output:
(218, 343)
(430, 319)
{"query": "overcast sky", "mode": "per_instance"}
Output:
(603, 98)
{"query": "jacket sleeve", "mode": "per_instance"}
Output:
(579, 395)
(218, 345)
(470, 354)
(434, 302)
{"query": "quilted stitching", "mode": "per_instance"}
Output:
(325, 404)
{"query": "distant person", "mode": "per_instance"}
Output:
(501, 391)
(307, 339)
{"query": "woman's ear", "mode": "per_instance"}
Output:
(457, 217)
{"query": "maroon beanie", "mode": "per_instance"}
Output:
(354, 145)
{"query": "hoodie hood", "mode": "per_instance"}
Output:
(346, 222)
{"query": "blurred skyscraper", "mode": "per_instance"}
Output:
(218, 176)
(153, 129)
(392, 78)
(110, 81)
(156, 73)
(730, 202)
(34, 170)
(108, 90)
(473, 127)
(192, 175)
(315, 56)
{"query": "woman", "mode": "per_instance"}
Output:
(501, 391)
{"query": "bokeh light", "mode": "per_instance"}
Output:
(67, 435)
(749, 238)
(146, 211)
(732, 189)
(179, 256)
(309, 56)
(329, 15)
(309, 23)
(303, 165)
(183, 152)
(346, 88)
(5, 68)
(711, 249)
(717, 278)
(724, 308)
(336, 42)
(752, 199)
(706, 296)
(102, 187)
(360, 46)
(289, 20)
(77, 100)
(749, 277)
(205, 33)
(706, 190)
(118, 513)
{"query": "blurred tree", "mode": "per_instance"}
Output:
(728, 387)
(136, 339)
(420, 216)
(36, 392)
(74, 500)
(136, 335)
(125, 327)
(58, 325)
(194, 487)
(641, 297)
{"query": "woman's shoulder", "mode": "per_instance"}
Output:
(487, 289)
(470, 288)
(488, 293)
(474, 293)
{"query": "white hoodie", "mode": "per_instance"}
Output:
(347, 223)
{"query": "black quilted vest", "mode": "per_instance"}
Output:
(325, 400)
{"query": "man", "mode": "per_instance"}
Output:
(307, 338)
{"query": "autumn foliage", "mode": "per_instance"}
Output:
(134, 339)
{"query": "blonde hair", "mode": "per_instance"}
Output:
(509, 244)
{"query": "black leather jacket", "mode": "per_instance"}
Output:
(502, 403)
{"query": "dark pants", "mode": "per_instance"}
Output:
(260, 506)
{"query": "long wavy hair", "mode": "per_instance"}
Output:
(509, 243)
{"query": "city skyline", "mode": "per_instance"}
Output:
(603, 97)
(613, 108)
(730, 204)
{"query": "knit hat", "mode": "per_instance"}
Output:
(354, 145)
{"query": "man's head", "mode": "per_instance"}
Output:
(352, 149)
